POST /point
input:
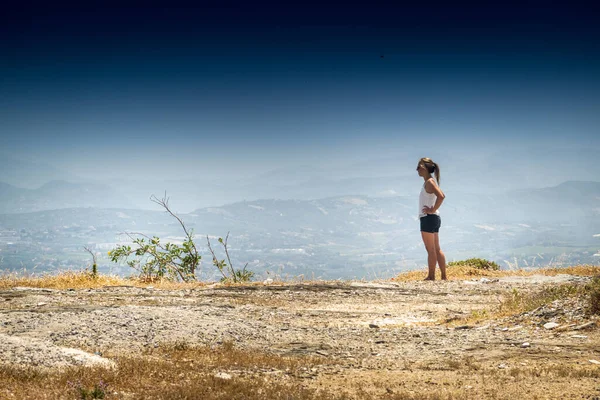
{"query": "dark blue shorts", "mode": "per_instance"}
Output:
(431, 223)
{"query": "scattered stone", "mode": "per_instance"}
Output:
(551, 325)
(525, 345)
(41, 303)
(584, 326)
(383, 322)
(463, 327)
(515, 328)
(579, 336)
(33, 289)
(374, 285)
(268, 281)
(488, 280)
(322, 353)
(595, 362)
(223, 375)
(502, 366)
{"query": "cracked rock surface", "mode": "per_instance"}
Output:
(370, 325)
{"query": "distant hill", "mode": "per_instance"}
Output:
(58, 195)
(31, 175)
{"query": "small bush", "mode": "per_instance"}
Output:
(593, 291)
(479, 263)
(98, 391)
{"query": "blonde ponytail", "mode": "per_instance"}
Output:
(437, 173)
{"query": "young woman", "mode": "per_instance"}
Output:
(430, 200)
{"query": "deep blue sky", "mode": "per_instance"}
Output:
(253, 85)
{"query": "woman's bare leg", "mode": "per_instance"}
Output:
(429, 241)
(441, 257)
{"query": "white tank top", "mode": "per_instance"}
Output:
(426, 199)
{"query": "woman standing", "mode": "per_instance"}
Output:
(430, 200)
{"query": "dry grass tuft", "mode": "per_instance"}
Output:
(516, 302)
(85, 280)
(63, 280)
(594, 293)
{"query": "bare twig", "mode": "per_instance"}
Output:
(228, 258)
(91, 252)
(164, 202)
(215, 260)
(94, 263)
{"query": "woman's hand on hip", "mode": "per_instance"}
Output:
(428, 210)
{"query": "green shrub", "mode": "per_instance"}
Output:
(155, 260)
(479, 263)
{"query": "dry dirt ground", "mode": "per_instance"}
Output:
(378, 338)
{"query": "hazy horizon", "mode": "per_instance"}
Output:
(230, 93)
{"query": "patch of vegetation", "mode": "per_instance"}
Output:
(230, 274)
(518, 301)
(173, 372)
(62, 280)
(477, 263)
(97, 391)
(157, 261)
(593, 293)
(94, 262)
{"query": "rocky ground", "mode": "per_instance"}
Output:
(375, 336)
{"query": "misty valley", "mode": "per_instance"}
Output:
(338, 237)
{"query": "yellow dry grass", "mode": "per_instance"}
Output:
(85, 280)
(173, 371)
(461, 272)
(179, 371)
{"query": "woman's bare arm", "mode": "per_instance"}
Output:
(432, 187)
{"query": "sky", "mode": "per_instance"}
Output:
(241, 88)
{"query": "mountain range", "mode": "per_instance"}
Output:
(58, 195)
(339, 236)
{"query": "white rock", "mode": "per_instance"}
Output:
(595, 362)
(525, 345)
(579, 336)
(268, 281)
(383, 322)
(223, 375)
(551, 325)
(515, 328)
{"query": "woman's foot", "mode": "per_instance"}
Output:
(429, 279)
